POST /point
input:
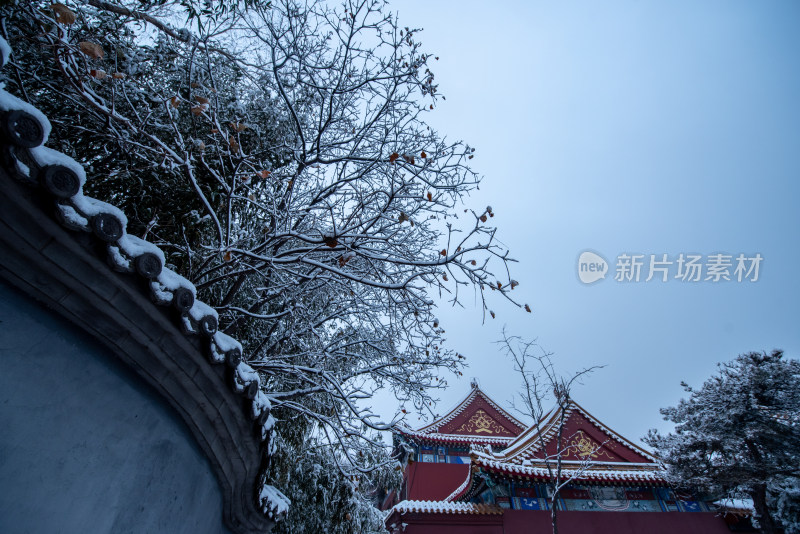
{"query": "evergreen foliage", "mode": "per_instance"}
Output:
(739, 436)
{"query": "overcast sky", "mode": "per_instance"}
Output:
(649, 127)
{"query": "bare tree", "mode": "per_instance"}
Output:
(541, 383)
(278, 152)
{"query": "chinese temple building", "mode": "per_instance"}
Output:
(478, 469)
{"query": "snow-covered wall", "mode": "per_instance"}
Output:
(85, 445)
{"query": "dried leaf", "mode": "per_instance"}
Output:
(393, 157)
(175, 101)
(444, 277)
(93, 50)
(197, 110)
(263, 174)
(423, 155)
(430, 197)
(214, 130)
(201, 100)
(227, 256)
(403, 217)
(96, 73)
(234, 144)
(443, 252)
(64, 15)
(483, 218)
(195, 85)
(331, 241)
(473, 262)
(238, 127)
(527, 308)
(118, 75)
(344, 258)
(491, 313)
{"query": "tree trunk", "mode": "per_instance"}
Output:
(766, 522)
(554, 513)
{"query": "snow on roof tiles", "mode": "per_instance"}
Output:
(600, 473)
(528, 443)
(62, 177)
(442, 507)
(462, 405)
(454, 438)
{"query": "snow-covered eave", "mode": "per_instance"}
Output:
(533, 438)
(463, 487)
(444, 507)
(459, 408)
(483, 455)
(598, 473)
(463, 439)
(58, 182)
(608, 430)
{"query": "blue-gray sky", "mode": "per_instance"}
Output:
(626, 126)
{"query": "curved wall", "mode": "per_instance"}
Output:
(85, 445)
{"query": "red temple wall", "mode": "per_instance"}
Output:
(538, 522)
(433, 482)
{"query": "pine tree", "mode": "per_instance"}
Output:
(739, 435)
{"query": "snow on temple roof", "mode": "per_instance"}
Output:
(454, 438)
(481, 415)
(442, 507)
(590, 437)
(592, 453)
(483, 462)
(600, 472)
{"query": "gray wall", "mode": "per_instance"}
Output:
(84, 445)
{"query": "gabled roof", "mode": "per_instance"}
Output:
(583, 435)
(591, 452)
(475, 419)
